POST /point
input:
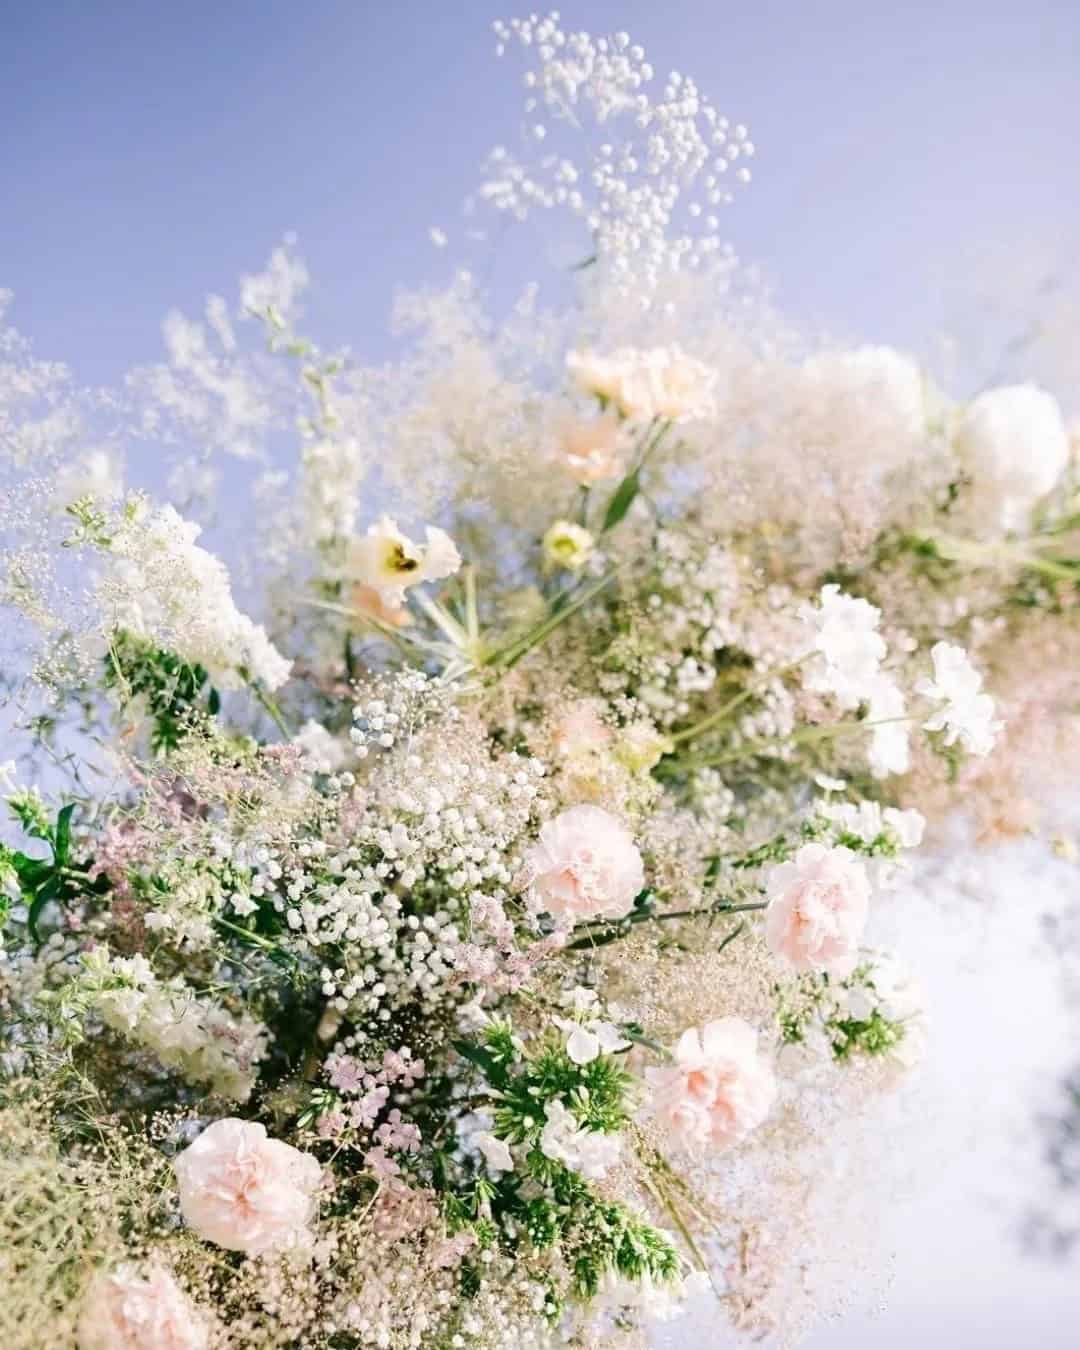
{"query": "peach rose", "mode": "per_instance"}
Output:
(817, 909)
(719, 1087)
(585, 865)
(125, 1309)
(243, 1190)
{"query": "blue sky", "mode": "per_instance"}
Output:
(151, 153)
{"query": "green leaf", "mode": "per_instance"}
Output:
(621, 500)
(30, 871)
(484, 1060)
(48, 891)
(63, 835)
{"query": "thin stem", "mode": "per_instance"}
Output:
(754, 748)
(707, 723)
(270, 707)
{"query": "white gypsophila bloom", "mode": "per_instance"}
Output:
(658, 382)
(567, 545)
(165, 588)
(966, 713)
(323, 752)
(589, 1152)
(844, 634)
(389, 561)
(879, 377)
(890, 750)
(97, 473)
(1014, 444)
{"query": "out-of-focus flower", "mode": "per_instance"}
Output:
(817, 910)
(660, 382)
(496, 1152)
(589, 1152)
(580, 730)
(97, 473)
(719, 1086)
(890, 751)
(879, 376)
(966, 714)
(585, 865)
(389, 561)
(1013, 443)
(243, 1190)
(567, 545)
(844, 632)
(590, 448)
(133, 1309)
(322, 751)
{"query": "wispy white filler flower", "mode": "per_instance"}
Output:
(1014, 444)
(389, 561)
(719, 1086)
(966, 714)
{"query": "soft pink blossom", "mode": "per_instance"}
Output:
(719, 1086)
(817, 909)
(243, 1190)
(133, 1309)
(590, 449)
(585, 865)
(580, 729)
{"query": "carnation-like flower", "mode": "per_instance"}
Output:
(590, 449)
(660, 382)
(567, 545)
(719, 1087)
(590, 1152)
(580, 730)
(966, 714)
(851, 649)
(585, 865)
(817, 910)
(389, 561)
(243, 1190)
(133, 1309)
(1014, 444)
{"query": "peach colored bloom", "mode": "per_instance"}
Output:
(580, 729)
(369, 604)
(243, 1190)
(129, 1309)
(719, 1087)
(590, 449)
(585, 865)
(817, 909)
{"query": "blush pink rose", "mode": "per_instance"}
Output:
(243, 1190)
(719, 1087)
(817, 909)
(131, 1309)
(585, 865)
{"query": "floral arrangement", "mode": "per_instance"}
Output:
(480, 952)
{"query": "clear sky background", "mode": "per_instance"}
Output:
(907, 152)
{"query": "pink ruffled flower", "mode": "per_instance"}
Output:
(585, 865)
(243, 1190)
(132, 1309)
(718, 1089)
(817, 909)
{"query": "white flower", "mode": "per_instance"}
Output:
(586, 1040)
(323, 752)
(586, 1151)
(966, 714)
(718, 1088)
(128, 1309)
(389, 561)
(817, 910)
(880, 377)
(567, 545)
(243, 1190)
(890, 751)
(658, 382)
(496, 1152)
(585, 865)
(1014, 444)
(850, 647)
(97, 473)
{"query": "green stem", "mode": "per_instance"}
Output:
(707, 723)
(753, 748)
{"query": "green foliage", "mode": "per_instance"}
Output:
(176, 693)
(42, 880)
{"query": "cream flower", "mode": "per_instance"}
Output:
(389, 561)
(243, 1190)
(966, 714)
(131, 1309)
(1014, 444)
(590, 449)
(567, 545)
(496, 1152)
(589, 1152)
(877, 377)
(844, 633)
(719, 1086)
(660, 382)
(585, 865)
(817, 909)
